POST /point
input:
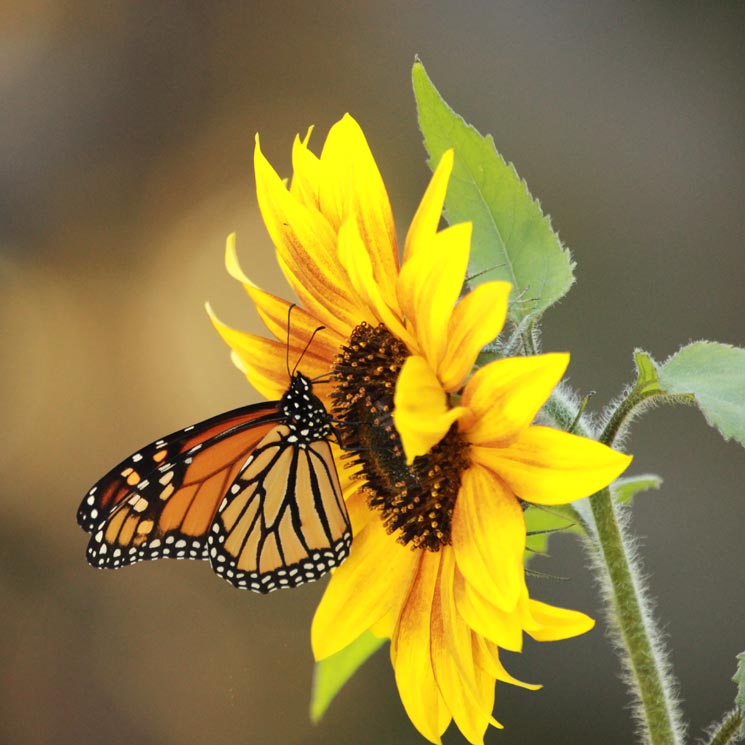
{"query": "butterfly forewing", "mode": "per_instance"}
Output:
(124, 478)
(169, 509)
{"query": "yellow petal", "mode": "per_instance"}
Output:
(354, 257)
(506, 395)
(356, 500)
(410, 653)
(488, 534)
(305, 172)
(553, 623)
(484, 681)
(260, 360)
(429, 285)
(351, 185)
(374, 578)
(488, 657)
(420, 412)
(477, 319)
(502, 628)
(427, 217)
(547, 466)
(306, 251)
(469, 702)
(275, 312)
(385, 627)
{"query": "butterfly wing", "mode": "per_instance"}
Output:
(161, 501)
(123, 478)
(283, 521)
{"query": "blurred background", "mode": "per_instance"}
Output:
(126, 141)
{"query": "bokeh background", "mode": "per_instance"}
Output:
(126, 141)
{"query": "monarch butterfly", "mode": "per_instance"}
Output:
(254, 491)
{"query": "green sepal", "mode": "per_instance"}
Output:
(330, 675)
(627, 487)
(541, 522)
(647, 377)
(512, 238)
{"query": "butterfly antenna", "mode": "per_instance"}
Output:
(305, 349)
(287, 343)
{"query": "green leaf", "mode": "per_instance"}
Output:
(512, 238)
(626, 488)
(739, 679)
(715, 374)
(330, 675)
(707, 374)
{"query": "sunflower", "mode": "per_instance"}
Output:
(440, 460)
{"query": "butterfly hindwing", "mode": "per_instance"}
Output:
(261, 539)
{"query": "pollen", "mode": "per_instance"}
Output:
(416, 501)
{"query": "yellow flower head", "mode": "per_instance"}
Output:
(442, 460)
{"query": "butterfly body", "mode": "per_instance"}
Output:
(254, 491)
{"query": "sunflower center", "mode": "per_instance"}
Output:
(416, 500)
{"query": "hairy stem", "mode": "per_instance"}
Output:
(727, 731)
(617, 566)
(640, 642)
(639, 639)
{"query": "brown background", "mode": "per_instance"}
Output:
(125, 159)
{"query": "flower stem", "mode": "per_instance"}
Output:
(727, 731)
(640, 641)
